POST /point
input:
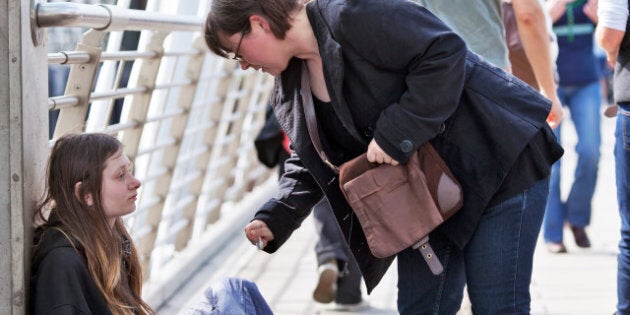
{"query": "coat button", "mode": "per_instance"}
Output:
(406, 146)
(368, 132)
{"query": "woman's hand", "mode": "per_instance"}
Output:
(257, 231)
(376, 155)
(556, 113)
(557, 8)
(590, 10)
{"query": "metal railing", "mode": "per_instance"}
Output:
(186, 118)
(111, 18)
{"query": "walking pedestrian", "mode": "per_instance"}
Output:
(613, 36)
(522, 46)
(580, 91)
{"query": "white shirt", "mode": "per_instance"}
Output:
(613, 14)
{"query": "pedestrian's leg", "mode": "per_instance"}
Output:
(555, 212)
(349, 282)
(329, 246)
(332, 246)
(622, 169)
(585, 114)
(330, 253)
(499, 257)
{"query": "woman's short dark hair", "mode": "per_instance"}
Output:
(228, 17)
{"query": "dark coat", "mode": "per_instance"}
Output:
(60, 281)
(397, 73)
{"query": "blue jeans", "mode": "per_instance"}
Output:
(584, 104)
(496, 264)
(231, 296)
(622, 169)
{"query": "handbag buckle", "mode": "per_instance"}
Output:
(429, 255)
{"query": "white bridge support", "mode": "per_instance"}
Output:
(22, 146)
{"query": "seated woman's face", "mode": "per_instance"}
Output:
(119, 189)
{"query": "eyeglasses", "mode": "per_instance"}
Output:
(234, 55)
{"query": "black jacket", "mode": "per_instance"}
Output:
(395, 72)
(60, 281)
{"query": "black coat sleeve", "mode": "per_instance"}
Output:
(297, 194)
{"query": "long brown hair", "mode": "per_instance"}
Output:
(228, 17)
(109, 251)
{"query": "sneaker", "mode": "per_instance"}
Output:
(556, 248)
(326, 289)
(581, 239)
(356, 307)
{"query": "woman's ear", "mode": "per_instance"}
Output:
(88, 197)
(258, 21)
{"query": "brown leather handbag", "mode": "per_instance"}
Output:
(397, 206)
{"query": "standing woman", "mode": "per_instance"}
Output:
(84, 260)
(386, 77)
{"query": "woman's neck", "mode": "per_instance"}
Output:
(302, 37)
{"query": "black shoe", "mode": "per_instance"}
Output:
(581, 239)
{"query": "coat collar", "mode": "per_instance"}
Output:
(332, 60)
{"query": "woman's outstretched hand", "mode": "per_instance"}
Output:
(376, 155)
(258, 233)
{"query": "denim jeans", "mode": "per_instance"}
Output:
(231, 296)
(584, 104)
(496, 264)
(622, 169)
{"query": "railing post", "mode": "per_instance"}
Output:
(135, 110)
(210, 200)
(80, 82)
(23, 135)
(178, 127)
(249, 170)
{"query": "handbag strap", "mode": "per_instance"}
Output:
(311, 119)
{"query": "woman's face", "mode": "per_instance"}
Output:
(259, 48)
(119, 190)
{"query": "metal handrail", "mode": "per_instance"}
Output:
(109, 17)
(68, 57)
